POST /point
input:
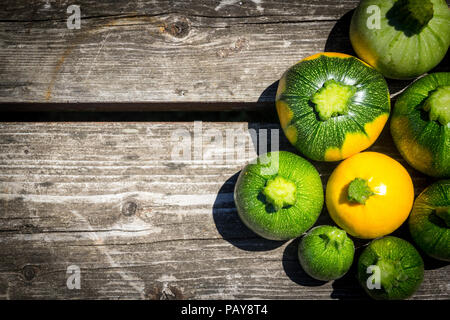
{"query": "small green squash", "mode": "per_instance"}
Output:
(429, 222)
(332, 106)
(326, 253)
(390, 268)
(280, 196)
(401, 38)
(420, 124)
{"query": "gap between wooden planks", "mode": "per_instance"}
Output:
(162, 55)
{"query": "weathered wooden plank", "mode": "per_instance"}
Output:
(113, 199)
(152, 52)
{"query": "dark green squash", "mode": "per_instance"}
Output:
(332, 105)
(280, 196)
(420, 124)
(429, 222)
(400, 269)
(326, 253)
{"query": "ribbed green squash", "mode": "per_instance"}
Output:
(400, 267)
(401, 38)
(332, 105)
(280, 196)
(429, 222)
(326, 253)
(420, 124)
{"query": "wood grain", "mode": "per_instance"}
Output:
(113, 199)
(147, 55)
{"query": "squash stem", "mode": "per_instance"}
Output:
(438, 105)
(335, 238)
(359, 191)
(391, 273)
(280, 192)
(413, 14)
(332, 99)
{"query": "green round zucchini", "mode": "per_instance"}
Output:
(401, 38)
(390, 268)
(326, 253)
(280, 196)
(420, 124)
(429, 222)
(332, 106)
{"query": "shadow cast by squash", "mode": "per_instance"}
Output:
(293, 269)
(267, 97)
(339, 37)
(230, 226)
(345, 288)
(348, 287)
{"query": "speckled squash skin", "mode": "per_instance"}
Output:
(326, 253)
(340, 136)
(425, 144)
(401, 268)
(395, 49)
(255, 211)
(431, 231)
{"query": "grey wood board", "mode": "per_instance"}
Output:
(227, 54)
(112, 199)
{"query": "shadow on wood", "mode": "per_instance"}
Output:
(429, 262)
(339, 37)
(269, 137)
(294, 270)
(345, 288)
(230, 226)
(348, 287)
(268, 96)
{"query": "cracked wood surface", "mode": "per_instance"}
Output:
(114, 199)
(226, 54)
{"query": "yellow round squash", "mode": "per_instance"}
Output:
(369, 195)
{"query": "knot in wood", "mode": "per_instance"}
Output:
(129, 208)
(29, 272)
(178, 29)
(166, 292)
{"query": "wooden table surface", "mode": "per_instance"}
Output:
(111, 197)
